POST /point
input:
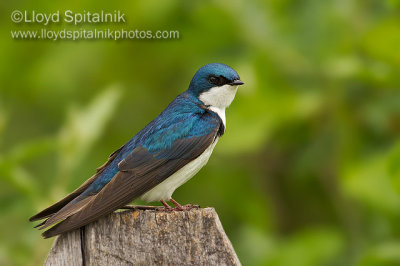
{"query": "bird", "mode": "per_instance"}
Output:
(162, 156)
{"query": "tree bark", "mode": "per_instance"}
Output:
(147, 237)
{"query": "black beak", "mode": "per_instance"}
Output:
(236, 82)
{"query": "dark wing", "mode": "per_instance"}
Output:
(139, 172)
(62, 203)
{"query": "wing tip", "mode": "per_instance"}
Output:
(49, 211)
(40, 224)
(60, 228)
(36, 217)
(48, 234)
(53, 231)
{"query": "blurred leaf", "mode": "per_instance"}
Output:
(3, 122)
(30, 150)
(15, 175)
(387, 253)
(389, 31)
(310, 247)
(370, 182)
(83, 128)
(18, 179)
(393, 165)
(255, 246)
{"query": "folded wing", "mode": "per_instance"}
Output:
(139, 172)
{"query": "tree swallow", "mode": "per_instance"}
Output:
(166, 153)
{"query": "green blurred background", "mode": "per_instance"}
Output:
(308, 172)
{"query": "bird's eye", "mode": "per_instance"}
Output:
(217, 80)
(213, 80)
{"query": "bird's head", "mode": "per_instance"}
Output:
(215, 85)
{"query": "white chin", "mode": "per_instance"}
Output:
(219, 97)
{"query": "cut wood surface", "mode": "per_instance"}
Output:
(147, 237)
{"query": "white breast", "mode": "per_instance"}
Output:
(164, 190)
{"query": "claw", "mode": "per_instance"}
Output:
(186, 207)
(178, 206)
(166, 206)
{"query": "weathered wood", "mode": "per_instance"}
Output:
(147, 237)
(66, 250)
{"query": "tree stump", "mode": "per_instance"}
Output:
(147, 237)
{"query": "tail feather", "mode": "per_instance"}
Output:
(42, 223)
(46, 213)
(56, 230)
(62, 203)
(65, 212)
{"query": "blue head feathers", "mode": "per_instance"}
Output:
(212, 75)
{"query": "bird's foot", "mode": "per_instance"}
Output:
(178, 207)
(166, 208)
(186, 207)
